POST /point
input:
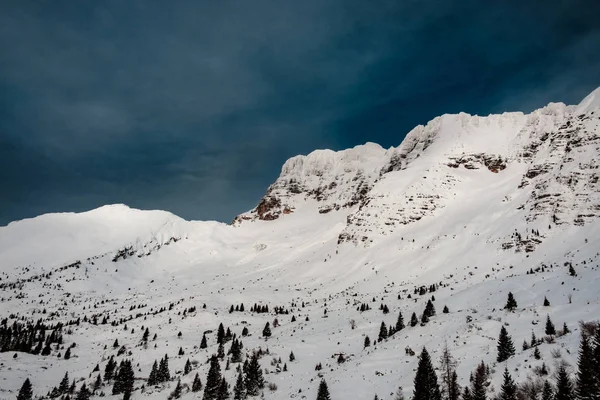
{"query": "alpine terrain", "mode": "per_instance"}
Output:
(470, 250)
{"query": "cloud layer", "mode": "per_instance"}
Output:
(193, 106)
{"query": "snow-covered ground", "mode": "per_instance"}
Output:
(468, 203)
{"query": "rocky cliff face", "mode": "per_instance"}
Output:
(541, 165)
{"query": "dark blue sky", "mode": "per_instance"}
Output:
(192, 106)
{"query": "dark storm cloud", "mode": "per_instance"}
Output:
(192, 106)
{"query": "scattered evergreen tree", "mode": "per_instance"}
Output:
(26, 391)
(565, 328)
(508, 391)
(97, 383)
(550, 330)
(245, 331)
(220, 334)
(176, 393)
(399, 322)
(223, 390)
(467, 394)
(267, 331)
(547, 391)
(84, 393)
(506, 348)
(68, 354)
(110, 368)
(546, 302)
(197, 384)
(323, 392)
(449, 386)
(564, 387)
(426, 384)
(239, 390)
(587, 386)
(124, 380)
(367, 342)
(254, 377)
(596, 355)
(213, 380)
(188, 367)
(479, 383)
(63, 387)
(153, 377)
(445, 310)
(399, 394)
(203, 344)
(511, 303)
(413, 320)
(164, 374)
(292, 356)
(429, 309)
(383, 333)
(221, 351)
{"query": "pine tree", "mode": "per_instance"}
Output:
(399, 394)
(367, 342)
(426, 385)
(267, 331)
(449, 386)
(429, 309)
(536, 353)
(323, 392)
(26, 391)
(564, 387)
(508, 391)
(213, 380)
(399, 322)
(414, 320)
(84, 393)
(153, 377)
(511, 303)
(220, 334)
(203, 344)
(506, 348)
(596, 356)
(223, 390)
(239, 390)
(63, 387)
(445, 310)
(383, 333)
(176, 393)
(292, 356)
(197, 384)
(479, 383)
(97, 383)
(467, 394)
(547, 391)
(221, 351)
(188, 367)
(164, 374)
(546, 302)
(68, 354)
(587, 386)
(550, 330)
(109, 369)
(254, 377)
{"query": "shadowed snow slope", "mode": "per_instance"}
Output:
(472, 207)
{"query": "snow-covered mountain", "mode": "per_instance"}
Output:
(473, 207)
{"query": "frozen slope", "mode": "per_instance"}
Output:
(468, 204)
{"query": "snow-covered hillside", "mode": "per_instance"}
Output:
(471, 207)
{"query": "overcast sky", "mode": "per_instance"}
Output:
(193, 106)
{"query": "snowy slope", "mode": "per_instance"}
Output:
(468, 203)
